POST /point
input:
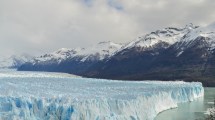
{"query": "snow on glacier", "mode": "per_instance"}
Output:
(51, 96)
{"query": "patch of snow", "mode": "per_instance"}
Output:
(179, 53)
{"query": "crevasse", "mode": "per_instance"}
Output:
(69, 98)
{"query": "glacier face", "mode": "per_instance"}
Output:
(51, 96)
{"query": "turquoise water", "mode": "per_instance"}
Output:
(192, 110)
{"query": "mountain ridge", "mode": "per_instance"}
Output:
(168, 54)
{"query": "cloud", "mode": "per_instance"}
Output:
(38, 26)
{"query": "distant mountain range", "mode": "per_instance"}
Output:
(14, 61)
(75, 61)
(168, 54)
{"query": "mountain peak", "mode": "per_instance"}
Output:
(206, 34)
(168, 35)
(108, 43)
(191, 26)
(104, 42)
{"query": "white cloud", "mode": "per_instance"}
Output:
(38, 26)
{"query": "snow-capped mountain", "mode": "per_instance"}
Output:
(171, 53)
(14, 61)
(167, 36)
(206, 34)
(95, 53)
(104, 50)
(72, 60)
(100, 51)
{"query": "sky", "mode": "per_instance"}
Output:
(42, 26)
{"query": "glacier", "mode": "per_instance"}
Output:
(55, 96)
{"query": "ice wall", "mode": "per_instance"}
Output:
(29, 97)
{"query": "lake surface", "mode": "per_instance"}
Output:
(191, 110)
